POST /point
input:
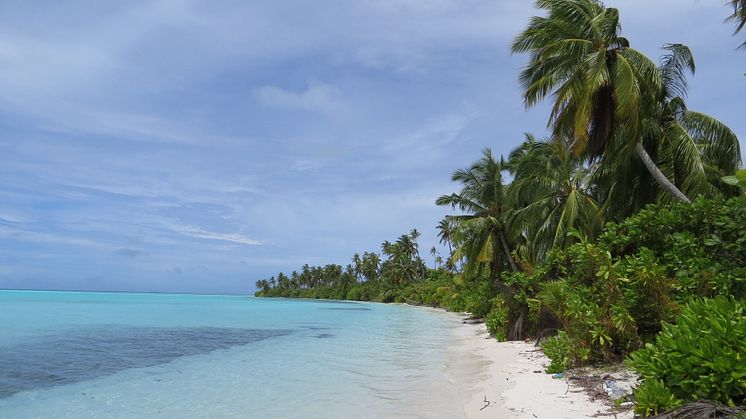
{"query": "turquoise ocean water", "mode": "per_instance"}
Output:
(123, 355)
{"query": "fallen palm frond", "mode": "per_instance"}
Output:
(703, 409)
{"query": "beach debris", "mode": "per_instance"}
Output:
(614, 390)
(559, 375)
(604, 384)
(619, 385)
(487, 403)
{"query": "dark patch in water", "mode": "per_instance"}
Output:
(343, 302)
(346, 308)
(316, 327)
(324, 335)
(84, 354)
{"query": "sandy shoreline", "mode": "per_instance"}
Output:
(510, 375)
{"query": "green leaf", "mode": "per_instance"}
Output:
(731, 180)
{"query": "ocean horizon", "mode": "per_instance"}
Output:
(125, 354)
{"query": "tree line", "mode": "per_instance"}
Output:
(613, 225)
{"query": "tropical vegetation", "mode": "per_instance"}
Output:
(619, 236)
(698, 357)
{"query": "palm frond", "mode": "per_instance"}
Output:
(719, 143)
(738, 16)
(674, 64)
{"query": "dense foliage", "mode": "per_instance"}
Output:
(701, 356)
(625, 214)
(610, 295)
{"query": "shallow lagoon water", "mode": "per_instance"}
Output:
(112, 355)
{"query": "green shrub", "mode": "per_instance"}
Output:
(702, 244)
(477, 295)
(703, 355)
(654, 398)
(613, 294)
(647, 291)
(595, 317)
(522, 305)
(497, 319)
(456, 293)
(558, 350)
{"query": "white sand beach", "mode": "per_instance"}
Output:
(510, 376)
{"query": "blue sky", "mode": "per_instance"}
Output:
(199, 146)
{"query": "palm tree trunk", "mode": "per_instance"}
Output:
(506, 249)
(658, 175)
(452, 264)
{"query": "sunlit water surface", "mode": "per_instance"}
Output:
(117, 355)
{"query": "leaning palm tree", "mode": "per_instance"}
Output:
(699, 148)
(482, 228)
(551, 194)
(692, 149)
(578, 56)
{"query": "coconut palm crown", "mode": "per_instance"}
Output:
(482, 228)
(551, 195)
(578, 56)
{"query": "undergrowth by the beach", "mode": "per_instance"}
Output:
(598, 300)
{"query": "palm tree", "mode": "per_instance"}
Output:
(434, 254)
(698, 149)
(579, 57)
(406, 257)
(445, 236)
(691, 149)
(357, 266)
(551, 195)
(483, 226)
(445, 233)
(370, 266)
(283, 281)
(387, 248)
(262, 285)
(346, 281)
(394, 268)
(413, 236)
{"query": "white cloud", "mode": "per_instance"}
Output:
(44, 238)
(318, 97)
(195, 231)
